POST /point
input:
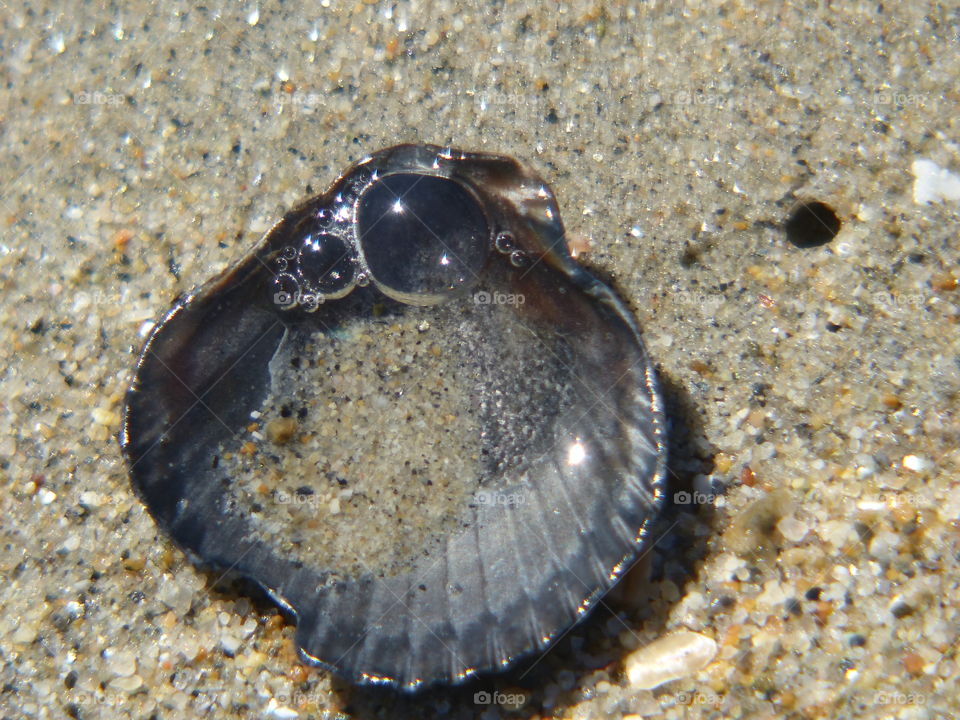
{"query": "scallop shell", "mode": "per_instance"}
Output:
(569, 473)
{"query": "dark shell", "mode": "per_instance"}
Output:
(509, 577)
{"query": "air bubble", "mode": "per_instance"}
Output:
(519, 259)
(327, 264)
(504, 243)
(325, 217)
(424, 238)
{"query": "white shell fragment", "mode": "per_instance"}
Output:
(669, 658)
(933, 183)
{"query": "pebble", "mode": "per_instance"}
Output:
(669, 658)
(282, 712)
(47, 496)
(25, 633)
(933, 183)
(913, 663)
(281, 430)
(229, 644)
(127, 684)
(121, 663)
(915, 463)
(792, 529)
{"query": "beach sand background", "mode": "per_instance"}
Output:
(813, 391)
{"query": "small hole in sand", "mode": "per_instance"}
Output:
(812, 223)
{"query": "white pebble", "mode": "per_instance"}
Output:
(884, 545)
(792, 529)
(915, 463)
(91, 499)
(127, 684)
(669, 658)
(121, 663)
(276, 710)
(26, 633)
(229, 644)
(933, 183)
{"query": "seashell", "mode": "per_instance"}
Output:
(429, 434)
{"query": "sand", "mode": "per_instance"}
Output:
(813, 390)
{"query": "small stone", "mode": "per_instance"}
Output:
(25, 633)
(134, 564)
(723, 463)
(933, 183)
(944, 282)
(884, 545)
(280, 430)
(229, 644)
(276, 710)
(891, 402)
(915, 463)
(127, 684)
(792, 529)
(105, 416)
(669, 658)
(753, 529)
(121, 663)
(837, 532)
(913, 663)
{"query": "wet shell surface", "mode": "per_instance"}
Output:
(429, 434)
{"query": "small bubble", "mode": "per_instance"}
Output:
(363, 177)
(325, 217)
(285, 290)
(311, 302)
(504, 243)
(519, 259)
